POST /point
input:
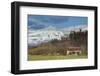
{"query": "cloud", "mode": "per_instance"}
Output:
(36, 24)
(74, 28)
(49, 28)
(39, 22)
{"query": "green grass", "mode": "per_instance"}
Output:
(49, 57)
(41, 52)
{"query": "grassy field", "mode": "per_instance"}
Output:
(49, 57)
(56, 50)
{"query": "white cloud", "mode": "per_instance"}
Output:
(75, 28)
(49, 28)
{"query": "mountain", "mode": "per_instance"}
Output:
(36, 37)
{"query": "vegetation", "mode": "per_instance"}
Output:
(79, 39)
(49, 57)
(56, 49)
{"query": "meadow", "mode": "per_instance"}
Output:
(48, 57)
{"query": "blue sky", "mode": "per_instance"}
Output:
(37, 22)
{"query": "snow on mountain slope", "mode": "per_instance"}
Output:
(37, 37)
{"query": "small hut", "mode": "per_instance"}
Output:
(74, 50)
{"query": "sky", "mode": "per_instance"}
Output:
(37, 22)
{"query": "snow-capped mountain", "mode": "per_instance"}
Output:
(36, 37)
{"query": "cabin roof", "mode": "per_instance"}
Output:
(74, 48)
